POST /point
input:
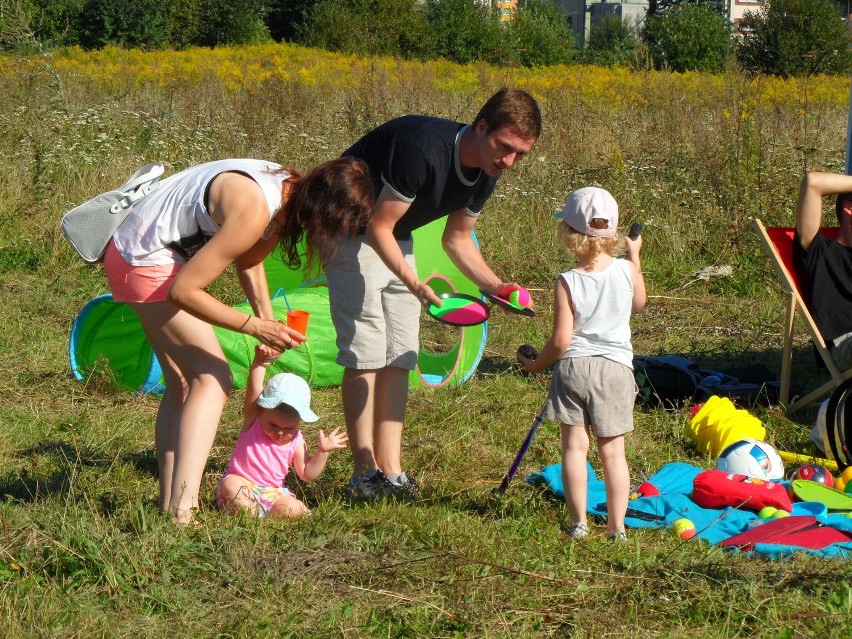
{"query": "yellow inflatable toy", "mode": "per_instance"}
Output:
(718, 423)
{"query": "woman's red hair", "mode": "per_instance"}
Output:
(332, 201)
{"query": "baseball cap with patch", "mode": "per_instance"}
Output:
(591, 211)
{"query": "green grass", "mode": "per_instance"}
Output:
(84, 551)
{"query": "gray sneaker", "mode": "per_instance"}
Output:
(404, 486)
(577, 531)
(370, 486)
(617, 537)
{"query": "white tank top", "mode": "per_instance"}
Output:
(602, 305)
(172, 223)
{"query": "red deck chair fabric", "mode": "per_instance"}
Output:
(778, 242)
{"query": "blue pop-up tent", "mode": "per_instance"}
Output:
(106, 336)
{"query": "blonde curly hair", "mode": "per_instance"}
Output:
(589, 247)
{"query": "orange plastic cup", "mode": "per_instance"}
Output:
(298, 321)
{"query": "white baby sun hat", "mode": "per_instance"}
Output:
(290, 389)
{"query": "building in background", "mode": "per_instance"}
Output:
(507, 9)
(582, 14)
(738, 8)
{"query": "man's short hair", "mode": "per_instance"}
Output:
(842, 198)
(511, 107)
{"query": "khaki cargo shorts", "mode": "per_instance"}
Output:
(376, 317)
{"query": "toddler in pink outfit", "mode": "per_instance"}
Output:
(270, 443)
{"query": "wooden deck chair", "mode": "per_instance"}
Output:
(778, 242)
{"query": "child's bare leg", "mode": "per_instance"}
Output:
(236, 493)
(575, 476)
(289, 507)
(617, 480)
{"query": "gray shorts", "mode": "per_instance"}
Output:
(376, 317)
(592, 391)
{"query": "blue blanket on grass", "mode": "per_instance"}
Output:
(674, 481)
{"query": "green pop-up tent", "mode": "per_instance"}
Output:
(106, 336)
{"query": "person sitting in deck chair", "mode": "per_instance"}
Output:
(823, 265)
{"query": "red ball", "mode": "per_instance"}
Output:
(815, 472)
(647, 489)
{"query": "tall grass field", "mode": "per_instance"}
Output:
(84, 550)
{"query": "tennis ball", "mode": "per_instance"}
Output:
(778, 514)
(520, 297)
(767, 512)
(684, 528)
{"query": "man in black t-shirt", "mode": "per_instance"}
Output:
(424, 169)
(823, 265)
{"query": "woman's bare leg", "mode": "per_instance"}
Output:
(198, 381)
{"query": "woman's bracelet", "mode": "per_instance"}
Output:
(244, 324)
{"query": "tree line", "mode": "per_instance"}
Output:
(783, 37)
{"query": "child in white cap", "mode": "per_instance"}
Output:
(592, 388)
(270, 443)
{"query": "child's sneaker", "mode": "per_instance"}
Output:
(617, 537)
(370, 486)
(404, 486)
(578, 531)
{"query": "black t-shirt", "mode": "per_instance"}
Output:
(417, 158)
(825, 276)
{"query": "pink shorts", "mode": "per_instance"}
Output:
(139, 284)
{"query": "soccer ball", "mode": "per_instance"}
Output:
(753, 458)
(815, 472)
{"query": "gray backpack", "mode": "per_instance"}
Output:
(90, 225)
